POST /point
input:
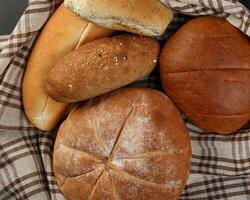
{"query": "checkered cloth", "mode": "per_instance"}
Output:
(237, 14)
(220, 164)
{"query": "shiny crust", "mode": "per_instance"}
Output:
(205, 69)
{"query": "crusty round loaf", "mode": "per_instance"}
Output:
(145, 17)
(128, 144)
(101, 66)
(63, 32)
(205, 69)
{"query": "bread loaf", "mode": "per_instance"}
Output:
(128, 144)
(147, 17)
(62, 33)
(101, 66)
(205, 69)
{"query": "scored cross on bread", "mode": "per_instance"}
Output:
(128, 144)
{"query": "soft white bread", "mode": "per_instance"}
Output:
(62, 33)
(147, 17)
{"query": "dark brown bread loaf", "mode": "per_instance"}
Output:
(128, 144)
(205, 69)
(101, 66)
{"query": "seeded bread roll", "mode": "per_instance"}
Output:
(102, 66)
(63, 32)
(147, 17)
(129, 144)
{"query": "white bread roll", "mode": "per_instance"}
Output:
(63, 32)
(147, 17)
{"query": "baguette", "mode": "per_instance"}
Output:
(62, 33)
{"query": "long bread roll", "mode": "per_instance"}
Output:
(63, 32)
(144, 17)
(102, 66)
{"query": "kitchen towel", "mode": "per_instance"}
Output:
(220, 163)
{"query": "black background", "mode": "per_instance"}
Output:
(10, 12)
(246, 3)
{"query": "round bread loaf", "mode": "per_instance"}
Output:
(205, 69)
(101, 66)
(128, 144)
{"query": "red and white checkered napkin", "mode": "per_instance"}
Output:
(220, 164)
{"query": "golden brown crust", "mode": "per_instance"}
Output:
(62, 33)
(147, 17)
(205, 69)
(101, 66)
(103, 188)
(140, 138)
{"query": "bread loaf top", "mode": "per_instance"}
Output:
(128, 143)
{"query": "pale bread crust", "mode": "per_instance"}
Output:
(147, 17)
